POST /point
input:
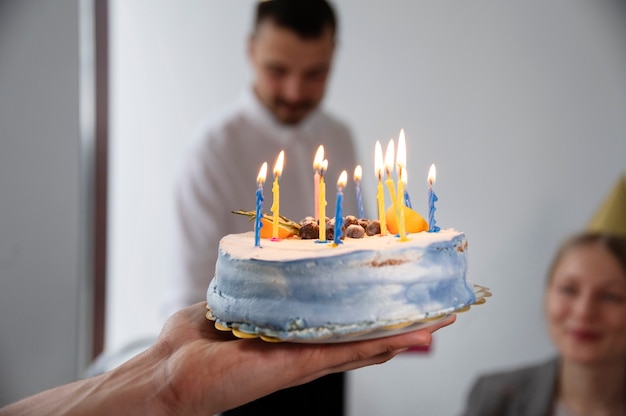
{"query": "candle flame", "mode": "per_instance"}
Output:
(358, 173)
(319, 157)
(378, 160)
(262, 174)
(343, 179)
(401, 157)
(403, 176)
(278, 167)
(324, 167)
(389, 157)
(432, 174)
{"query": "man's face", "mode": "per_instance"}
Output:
(291, 72)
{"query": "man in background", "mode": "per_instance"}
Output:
(290, 50)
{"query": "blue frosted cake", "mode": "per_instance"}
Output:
(296, 289)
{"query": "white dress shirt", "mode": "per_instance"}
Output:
(218, 175)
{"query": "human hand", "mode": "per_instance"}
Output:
(207, 370)
(193, 368)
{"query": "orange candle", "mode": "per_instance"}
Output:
(322, 202)
(317, 164)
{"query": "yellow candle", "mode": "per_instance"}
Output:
(401, 169)
(401, 226)
(380, 194)
(322, 202)
(278, 170)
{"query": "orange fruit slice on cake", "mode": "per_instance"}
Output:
(413, 221)
(267, 230)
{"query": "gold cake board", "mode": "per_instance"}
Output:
(349, 333)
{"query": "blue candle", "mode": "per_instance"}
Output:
(343, 178)
(407, 200)
(259, 205)
(432, 198)
(358, 172)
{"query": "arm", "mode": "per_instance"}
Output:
(195, 369)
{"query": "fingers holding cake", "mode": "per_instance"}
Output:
(220, 362)
(325, 359)
(380, 350)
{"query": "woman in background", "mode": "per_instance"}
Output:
(585, 307)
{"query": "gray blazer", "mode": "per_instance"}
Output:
(528, 391)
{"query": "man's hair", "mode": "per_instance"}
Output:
(307, 18)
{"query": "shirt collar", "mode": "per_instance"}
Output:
(252, 103)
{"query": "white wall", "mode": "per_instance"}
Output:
(44, 226)
(519, 104)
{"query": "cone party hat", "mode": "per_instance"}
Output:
(611, 215)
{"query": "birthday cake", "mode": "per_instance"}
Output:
(307, 282)
(297, 289)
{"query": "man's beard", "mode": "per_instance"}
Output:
(292, 112)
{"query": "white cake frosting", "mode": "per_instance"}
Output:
(303, 288)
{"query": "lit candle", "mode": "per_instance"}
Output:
(400, 166)
(343, 178)
(389, 181)
(278, 170)
(401, 186)
(401, 160)
(317, 164)
(260, 180)
(322, 202)
(407, 199)
(358, 172)
(380, 194)
(432, 198)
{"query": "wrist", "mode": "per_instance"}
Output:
(130, 389)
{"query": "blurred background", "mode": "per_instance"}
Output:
(519, 104)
